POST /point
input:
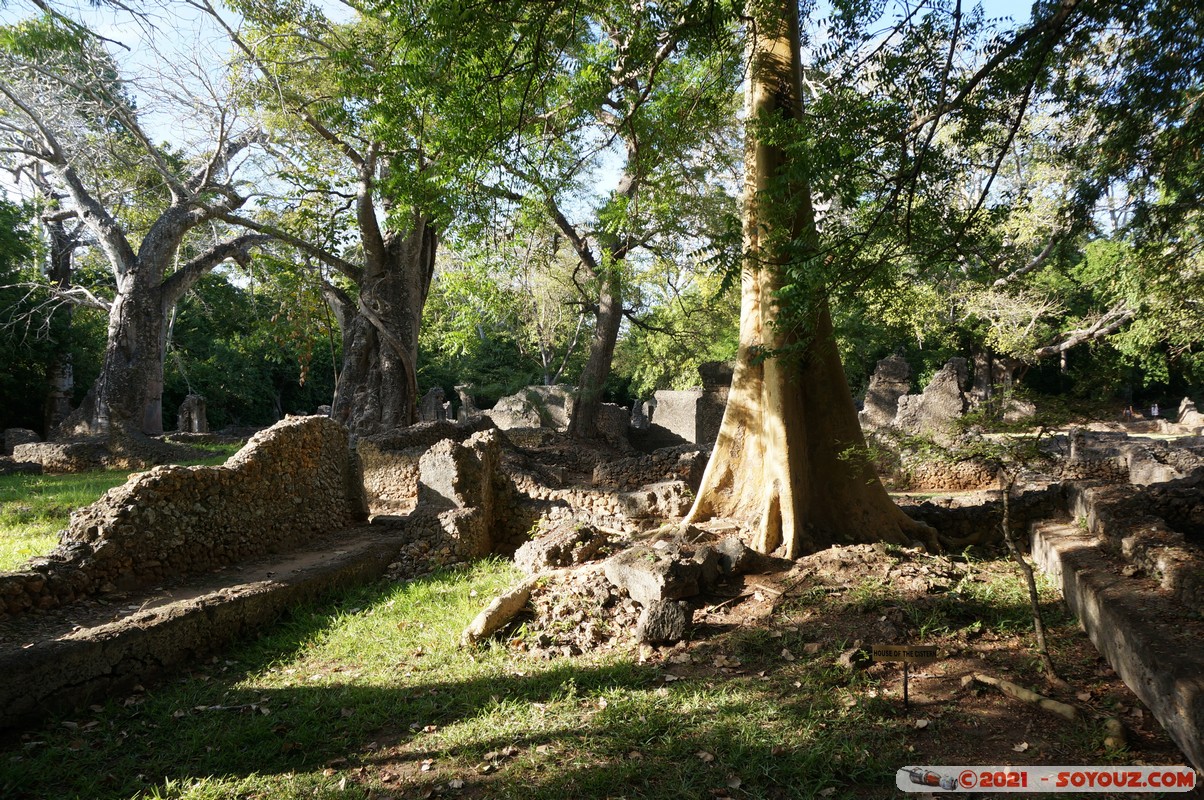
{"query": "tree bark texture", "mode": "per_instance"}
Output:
(128, 393)
(588, 403)
(378, 385)
(789, 462)
(60, 372)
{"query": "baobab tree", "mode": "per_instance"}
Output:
(66, 115)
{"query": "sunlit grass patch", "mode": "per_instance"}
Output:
(34, 508)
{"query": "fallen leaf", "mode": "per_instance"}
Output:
(1020, 748)
(705, 757)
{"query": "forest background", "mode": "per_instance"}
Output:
(582, 172)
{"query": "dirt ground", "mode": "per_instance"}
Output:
(848, 599)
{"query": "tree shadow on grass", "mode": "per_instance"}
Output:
(599, 729)
(592, 729)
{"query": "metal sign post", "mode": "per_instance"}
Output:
(908, 654)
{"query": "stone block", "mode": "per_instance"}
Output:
(890, 381)
(192, 416)
(935, 412)
(455, 475)
(690, 415)
(663, 622)
(535, 407)
(18, 436)
(737, 558)
(430, 407)
(661, 499)
(648, 574)
(564, 544)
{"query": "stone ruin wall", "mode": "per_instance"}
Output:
(947, 476)
(293, 482)
(389, 461)
(681, 463)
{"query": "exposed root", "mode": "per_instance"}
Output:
(1017, 692)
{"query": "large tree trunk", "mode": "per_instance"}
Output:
(60, 372)
(378, 385)
(127, 396)
(588, 403)
(790, 460)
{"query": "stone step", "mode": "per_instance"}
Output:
(1150, 639)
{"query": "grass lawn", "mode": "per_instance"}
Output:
(371, 698)
(34, 508)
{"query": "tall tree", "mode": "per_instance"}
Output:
(778, 460)
(787, 462)
(649, 94)
(66, 109)
(389, 119)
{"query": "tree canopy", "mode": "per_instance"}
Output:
(537, 192)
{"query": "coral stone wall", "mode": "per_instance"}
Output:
(291, 483)
(683, 463)
(390, 461)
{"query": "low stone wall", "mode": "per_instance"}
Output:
(389, 461)
(292, 482)
(66, 669)
(682, 463)
(961, 520)
(1127, 517)
(949, 476)
(1136, 627)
